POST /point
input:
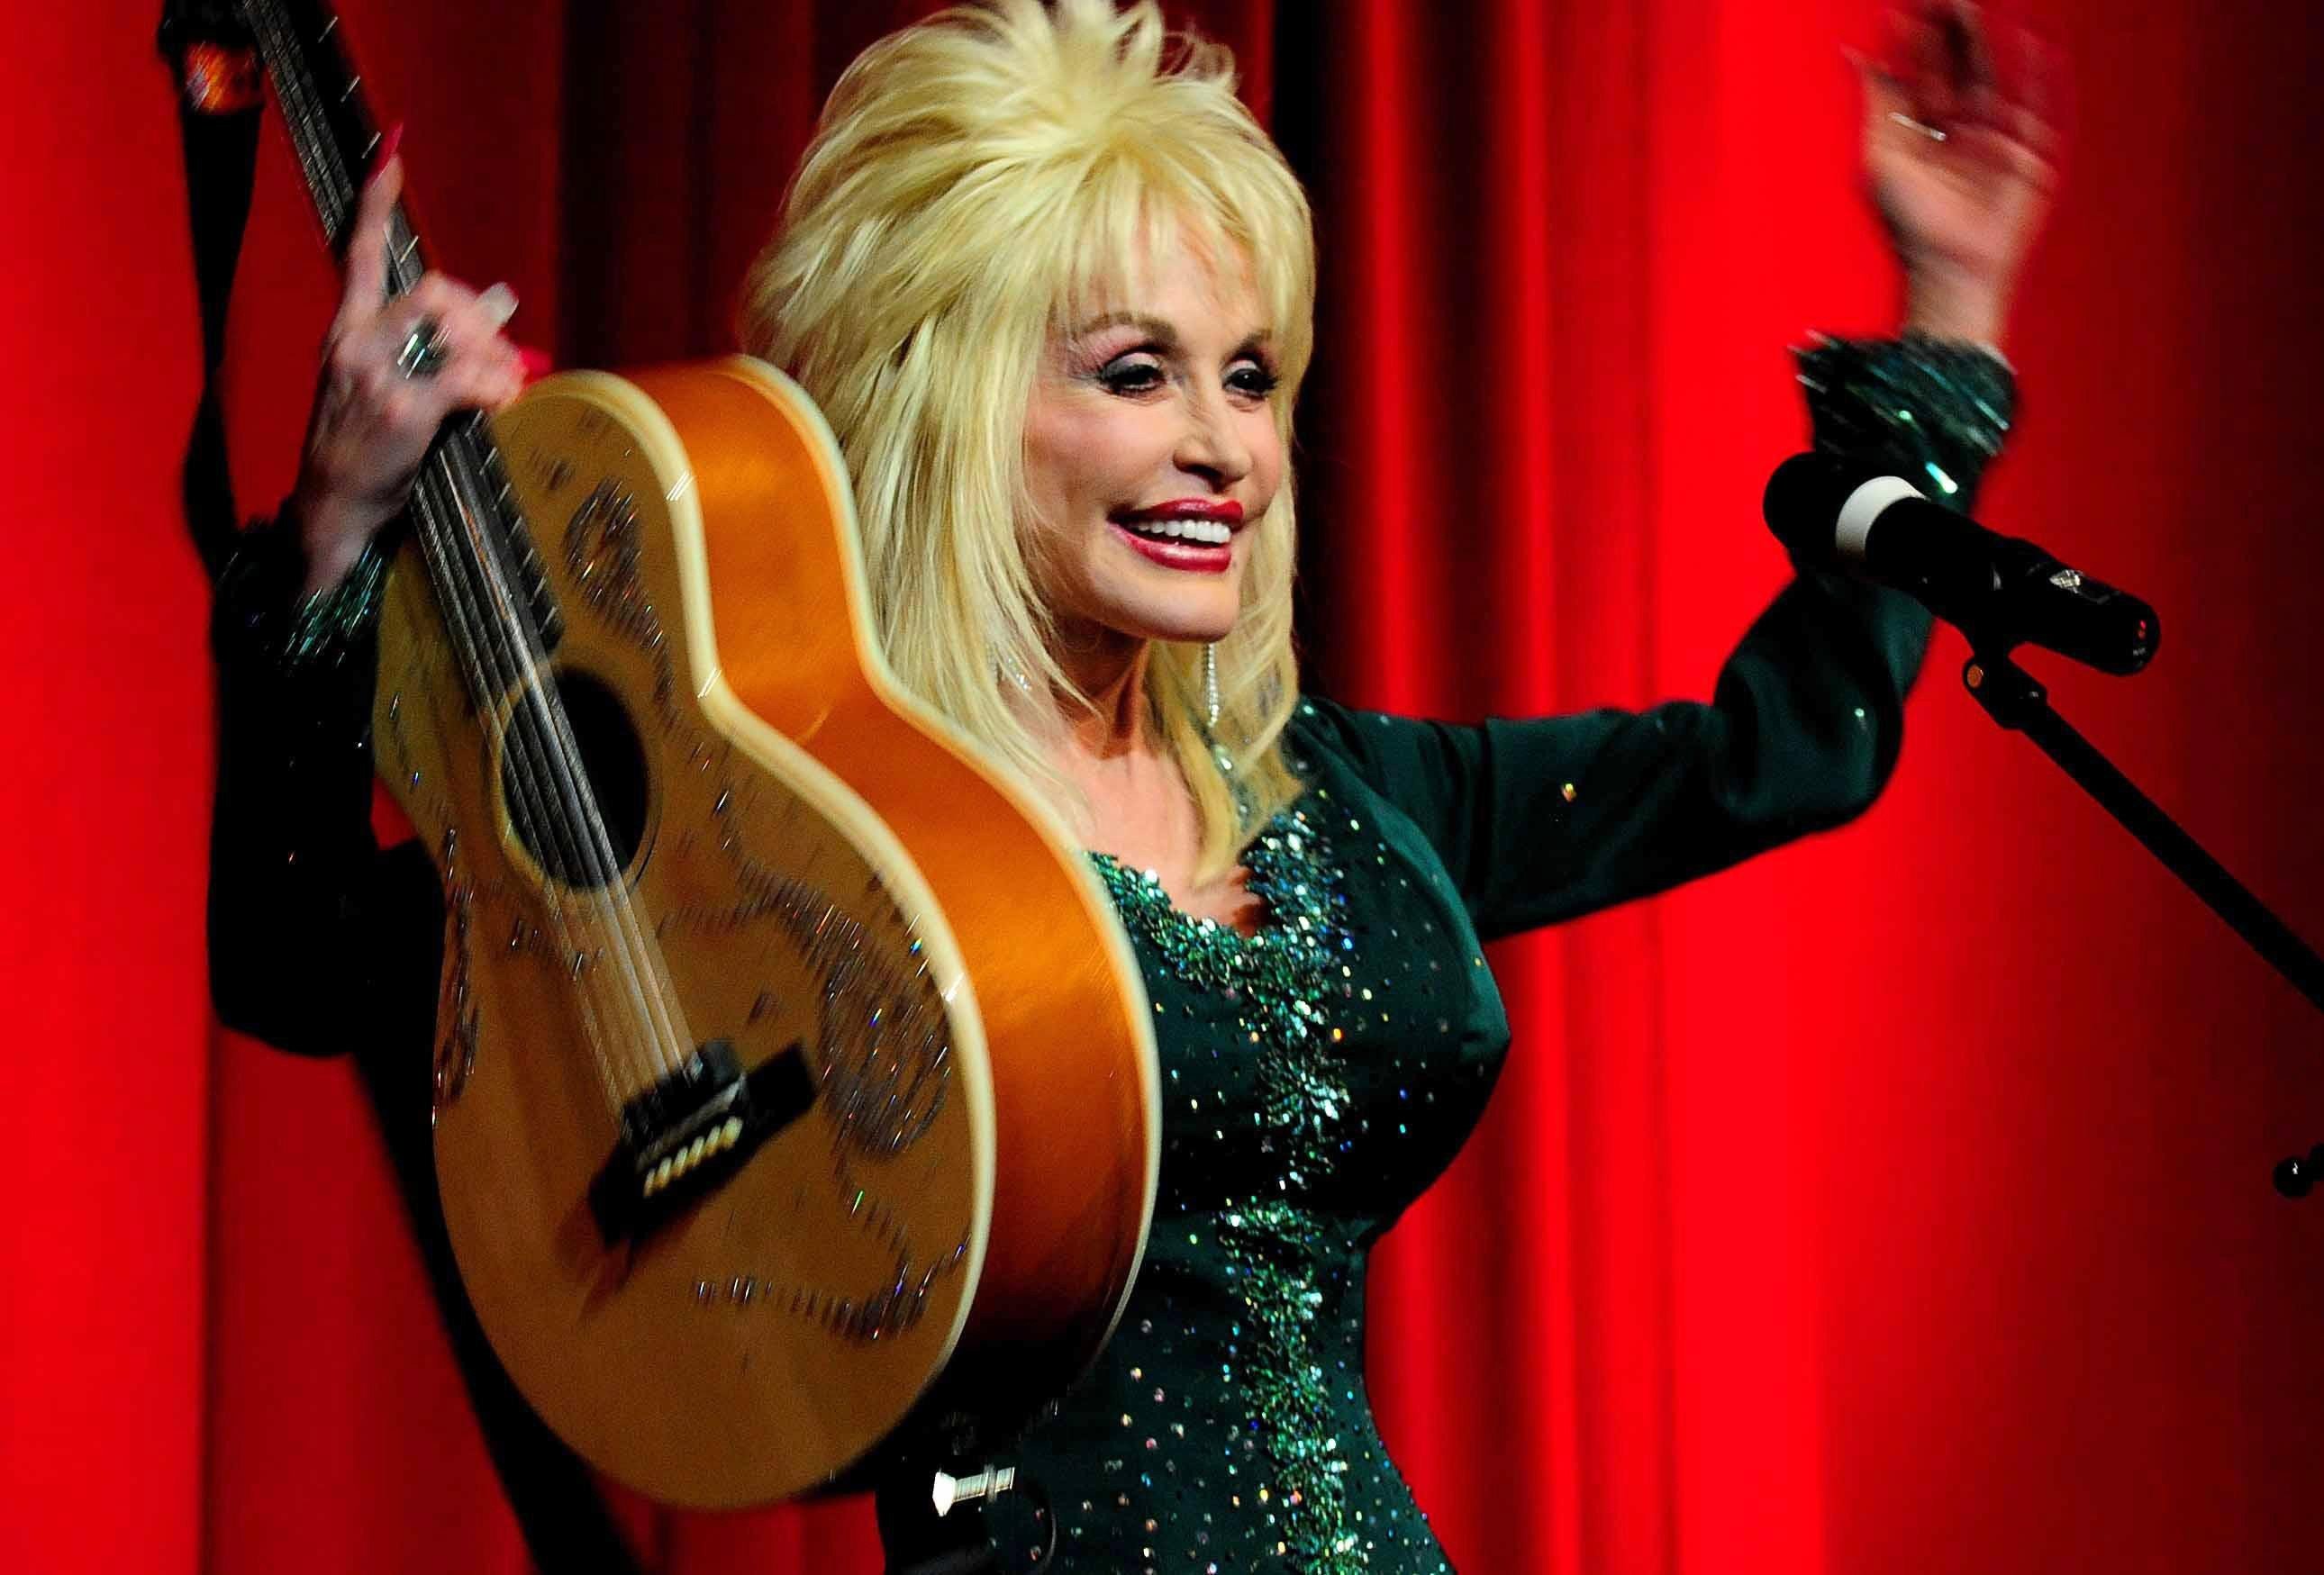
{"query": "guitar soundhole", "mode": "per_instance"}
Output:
(535, 775)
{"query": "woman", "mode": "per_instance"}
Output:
(1054, 288)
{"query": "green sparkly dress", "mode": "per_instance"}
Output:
(1317, 1077)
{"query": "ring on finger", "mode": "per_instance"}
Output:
(1935, 134)
(423, 354)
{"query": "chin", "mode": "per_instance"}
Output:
(1182, 616)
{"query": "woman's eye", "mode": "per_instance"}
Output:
(1251, 380)
(1128, 377)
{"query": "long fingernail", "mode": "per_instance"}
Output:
(388, 144)
(498, 302)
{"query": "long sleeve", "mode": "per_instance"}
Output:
(1543, 820)
(315, 934)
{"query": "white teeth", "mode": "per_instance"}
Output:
(1209, 532)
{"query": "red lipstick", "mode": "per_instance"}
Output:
(1177, 552)
(1224, 511)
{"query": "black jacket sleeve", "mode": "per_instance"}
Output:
(316, 934)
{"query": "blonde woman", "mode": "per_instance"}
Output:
(1054, 289)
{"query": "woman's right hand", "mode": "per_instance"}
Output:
(373, 422)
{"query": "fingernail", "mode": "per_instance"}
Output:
(498, 302)
(537, 361)
(388, 144)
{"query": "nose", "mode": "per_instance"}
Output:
(1213, 446)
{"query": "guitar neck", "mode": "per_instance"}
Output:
(478, 554)
(330, 121)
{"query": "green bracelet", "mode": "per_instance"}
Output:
(331, 624)
(1941, 407)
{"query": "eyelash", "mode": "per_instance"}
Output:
(1256, 380)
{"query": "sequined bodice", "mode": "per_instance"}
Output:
(1316, 1078)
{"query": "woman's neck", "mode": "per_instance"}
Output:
(1109, 671)
(1134, 802)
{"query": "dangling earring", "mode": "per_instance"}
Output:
(1220, 756)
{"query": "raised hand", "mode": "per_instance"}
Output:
(392, 372)
(1960, 158)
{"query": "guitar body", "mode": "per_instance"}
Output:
(934, 1186)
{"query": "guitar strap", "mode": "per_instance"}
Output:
(221, 90)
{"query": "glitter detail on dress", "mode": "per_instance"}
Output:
(1278, 978)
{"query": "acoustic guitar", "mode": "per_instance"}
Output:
(793, 1078)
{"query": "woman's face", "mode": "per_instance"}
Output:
(1150, 449)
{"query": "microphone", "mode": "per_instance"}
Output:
(1999, 591)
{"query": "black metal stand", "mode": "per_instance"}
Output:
(2012, 698)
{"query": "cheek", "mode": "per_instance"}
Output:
(1266, 444)
(1047, 446)
(1065, 449)
(1081, 463)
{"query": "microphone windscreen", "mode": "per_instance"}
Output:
(1803, 500)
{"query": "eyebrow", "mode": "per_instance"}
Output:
(1156, 329)
(1153, 327)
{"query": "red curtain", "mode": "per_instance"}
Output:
(1897, 1201)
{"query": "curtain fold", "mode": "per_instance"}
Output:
(1896, 1202)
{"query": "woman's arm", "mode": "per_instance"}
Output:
(1543, 820)
(312, 930)
(314, 933)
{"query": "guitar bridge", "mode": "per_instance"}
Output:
(682, 1137)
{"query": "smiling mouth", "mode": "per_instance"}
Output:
(1172, 544)
(1197, 532)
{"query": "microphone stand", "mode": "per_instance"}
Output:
(2017, 701)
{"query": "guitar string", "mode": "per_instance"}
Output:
(593, 852)
(523, 747)
(556, 798)
(610, 893)
(302, 102)
(328, 180)
(614, 1069)
(594, 856)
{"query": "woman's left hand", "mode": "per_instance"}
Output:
(1960, 164)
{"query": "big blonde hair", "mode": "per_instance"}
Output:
(977, 181)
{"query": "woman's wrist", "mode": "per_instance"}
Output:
(302, 593)
(1944, 302)
(331, 539)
